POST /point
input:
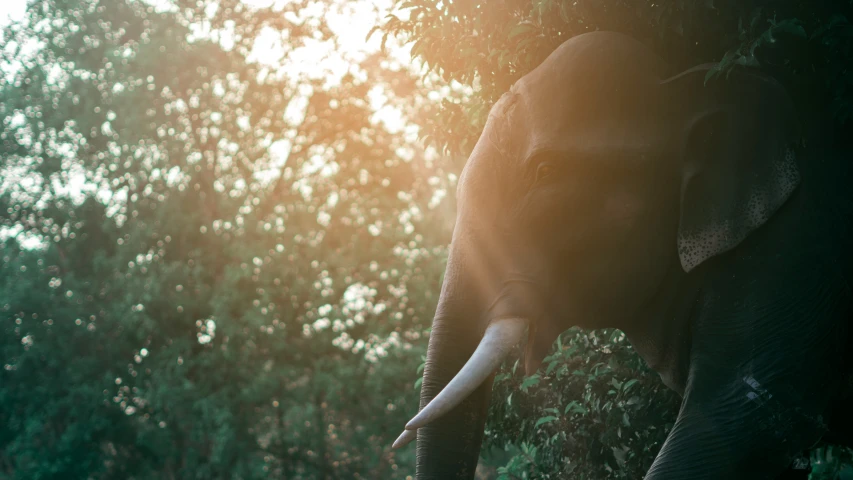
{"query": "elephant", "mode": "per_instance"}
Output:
(689, 211)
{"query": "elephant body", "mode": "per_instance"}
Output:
(607, 192)
(768, 368)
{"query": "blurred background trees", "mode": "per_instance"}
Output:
(219, 255)
(223, 229)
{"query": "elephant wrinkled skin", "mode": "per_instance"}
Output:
(605, 191)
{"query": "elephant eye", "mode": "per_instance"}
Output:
(545, 170)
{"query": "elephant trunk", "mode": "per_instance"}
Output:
(449, 446)
(477, 322)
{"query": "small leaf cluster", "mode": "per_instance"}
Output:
(593, 410)
(830, 462)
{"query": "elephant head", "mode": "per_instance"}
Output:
(597, 179)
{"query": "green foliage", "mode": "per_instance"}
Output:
(593, 410)
(192, 284)
(831, 463)
(807, 45)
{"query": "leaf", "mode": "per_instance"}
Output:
(529, 382)
(619, 455)
(382, 45)
(544, 420)
(522, 45)
(551, 367)
(371, 32)
(791, 26)
(575, 407)
(836, 21)
(409, 4)
(501, 61)
(518, 30)
(418, 383)
(629, 384)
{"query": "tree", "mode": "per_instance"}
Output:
(211, 267)
(807, 45)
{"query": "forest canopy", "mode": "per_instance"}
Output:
(807, 45)
(224, 224)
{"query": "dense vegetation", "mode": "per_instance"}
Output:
(219, 265)
(806, 44)
(211, 267)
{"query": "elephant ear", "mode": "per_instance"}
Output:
(736, 145)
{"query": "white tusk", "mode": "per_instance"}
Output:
(405, 438)
(501, 335)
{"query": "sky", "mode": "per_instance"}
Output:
(349, 20)
(11, 10)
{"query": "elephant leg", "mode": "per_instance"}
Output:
(841, 420)
(730, 430)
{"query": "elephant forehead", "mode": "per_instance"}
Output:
(597, 95)
(595, 67)
(618, 136)
(523, 122)
(574, 123)
(596, 91)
